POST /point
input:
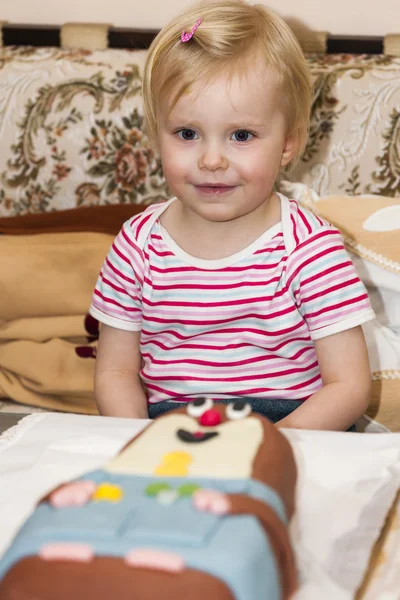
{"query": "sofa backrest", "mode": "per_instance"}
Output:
(71, 129)
(354, 141)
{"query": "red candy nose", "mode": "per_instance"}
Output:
(210, 418)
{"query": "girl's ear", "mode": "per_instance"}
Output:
(290, 149)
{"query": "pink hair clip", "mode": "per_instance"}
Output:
(186, 36)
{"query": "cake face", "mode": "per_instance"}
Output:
(181, 445)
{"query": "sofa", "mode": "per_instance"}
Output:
(75, 163)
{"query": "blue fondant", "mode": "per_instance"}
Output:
(233, 548)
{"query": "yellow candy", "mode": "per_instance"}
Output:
(174, 464)
(108, 492)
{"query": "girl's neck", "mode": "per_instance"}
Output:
(213, 240)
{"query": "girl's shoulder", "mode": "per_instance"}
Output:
(305, 224)
(137, 228)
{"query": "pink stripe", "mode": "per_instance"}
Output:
(109, 280)
(212, 278)
(268, 249)
(158, 252)
(207, 322)
(325, 291)
(117, 288)
(221, 272)
(298, 386)
(296, 237)
(108, 301)
(327, 320)
(142, 223)
(315, 257)
(326, 234)
(118, 252)
(319, 276)
(316, 249)
(208, 363)
(117, 272)
(320, 283)
(150, 209)
(128, 243)
(235, 312)
(304, 220)
(249, 391)
(219, 373)
(228, 286)
(209, 378)
(165, 393)
(127, 249)
(115, 313)
(219, 344)
(207, 305)
(240, 330)
(338, 305)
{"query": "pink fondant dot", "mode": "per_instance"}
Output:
(155, 559)
(77, 493)
(66, 551)
(211, 501)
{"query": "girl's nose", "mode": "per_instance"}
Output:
(213, 160)
(210, 418)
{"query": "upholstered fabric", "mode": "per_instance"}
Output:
(71, 131)
(354, 143)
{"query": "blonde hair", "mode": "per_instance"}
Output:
(231, 32)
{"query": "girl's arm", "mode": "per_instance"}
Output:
(117, 385)
(346, 377)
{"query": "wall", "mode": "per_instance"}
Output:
(341, 17)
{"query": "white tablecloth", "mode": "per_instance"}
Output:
(347, 483)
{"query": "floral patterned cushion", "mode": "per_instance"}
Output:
(354, 142)
(71, 129)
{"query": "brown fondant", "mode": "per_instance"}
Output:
(277, 534)
(105, 579)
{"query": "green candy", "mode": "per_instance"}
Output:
(188, 489)
(155, 488)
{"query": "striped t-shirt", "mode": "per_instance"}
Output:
(239, 326)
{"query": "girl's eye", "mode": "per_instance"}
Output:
(242, 135)
(187, 134)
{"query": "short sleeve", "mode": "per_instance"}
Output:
(117, 298)
(325, 286)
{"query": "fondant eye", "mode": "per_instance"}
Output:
(239, 409)
(199, 406)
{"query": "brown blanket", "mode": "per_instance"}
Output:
(47, 343)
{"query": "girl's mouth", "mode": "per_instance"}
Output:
(215, 189)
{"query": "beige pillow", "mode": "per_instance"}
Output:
(370, 226)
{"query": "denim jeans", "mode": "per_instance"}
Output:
(274, 410)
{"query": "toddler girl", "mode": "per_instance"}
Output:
(230, 290)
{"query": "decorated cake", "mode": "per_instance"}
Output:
(196, 506)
